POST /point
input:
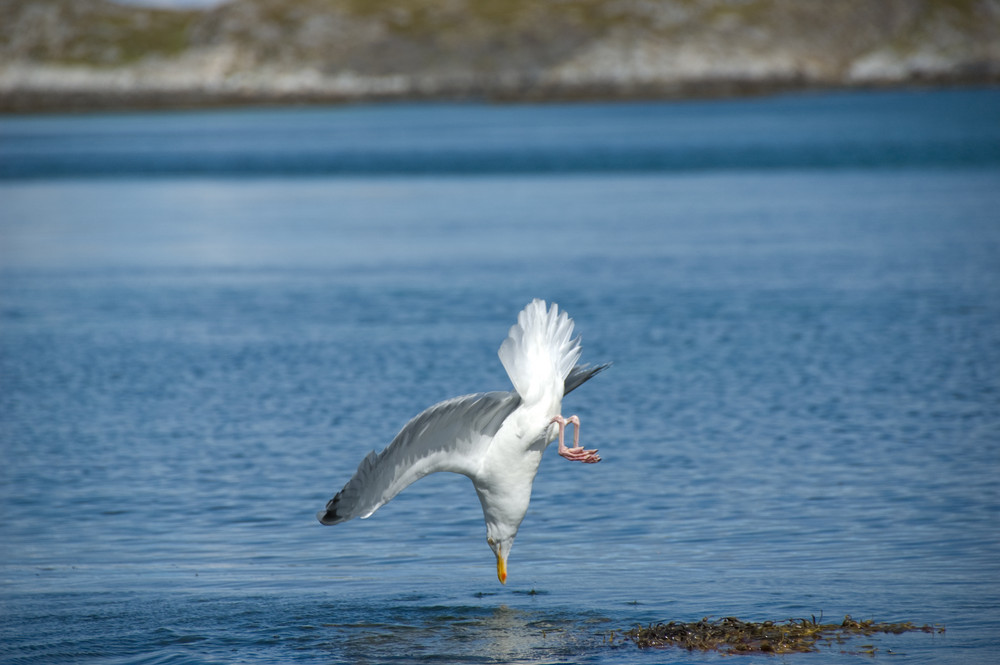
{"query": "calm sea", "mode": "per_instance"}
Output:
(208, 318)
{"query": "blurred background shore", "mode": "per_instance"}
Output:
(67, 55)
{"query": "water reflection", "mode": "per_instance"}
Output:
(473, 634)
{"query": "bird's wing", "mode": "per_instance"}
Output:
(449, 436)
(580, 375)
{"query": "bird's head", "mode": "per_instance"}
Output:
(500, 541)
(503, 509)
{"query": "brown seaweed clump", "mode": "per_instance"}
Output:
(731, 635)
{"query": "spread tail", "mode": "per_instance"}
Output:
(539, 349)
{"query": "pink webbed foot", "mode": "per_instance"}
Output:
(576, 453)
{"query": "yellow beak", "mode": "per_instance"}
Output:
(502, 569)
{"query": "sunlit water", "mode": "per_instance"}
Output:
(207, 319)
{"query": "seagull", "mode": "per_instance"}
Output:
(495, 438)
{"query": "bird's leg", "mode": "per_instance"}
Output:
(576, 453)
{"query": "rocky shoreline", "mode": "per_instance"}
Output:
(58, 55)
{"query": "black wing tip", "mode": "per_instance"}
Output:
(328, 515)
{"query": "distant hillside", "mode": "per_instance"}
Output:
(64, 54)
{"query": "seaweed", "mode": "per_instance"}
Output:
(732, 635)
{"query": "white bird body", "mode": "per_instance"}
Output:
(496, 439)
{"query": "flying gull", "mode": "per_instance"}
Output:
(495, 438)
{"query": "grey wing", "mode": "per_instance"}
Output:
(580, 375)
(449, 436)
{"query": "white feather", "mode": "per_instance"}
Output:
(539, 351)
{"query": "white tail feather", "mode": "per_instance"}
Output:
(539, 350)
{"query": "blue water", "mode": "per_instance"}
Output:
(207, 319)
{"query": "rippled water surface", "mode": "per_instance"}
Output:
(208, 319)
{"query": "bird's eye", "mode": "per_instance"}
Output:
(491, 542)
